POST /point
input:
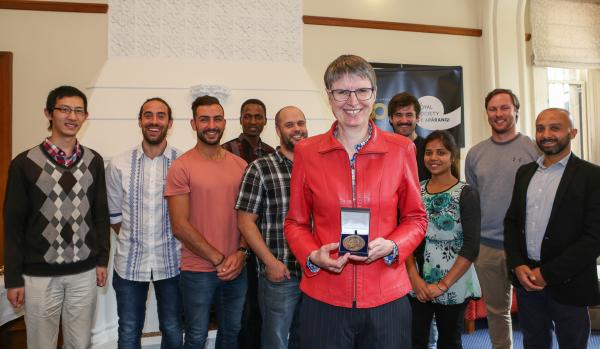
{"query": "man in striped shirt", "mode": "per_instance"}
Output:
(146, 250)
(263, 198)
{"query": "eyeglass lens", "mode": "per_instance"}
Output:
(362, 94)
(65, 109)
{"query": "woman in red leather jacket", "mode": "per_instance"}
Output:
(352, 301)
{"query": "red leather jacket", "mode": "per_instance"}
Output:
(386, 183)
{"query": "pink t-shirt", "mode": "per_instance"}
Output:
(213, 187)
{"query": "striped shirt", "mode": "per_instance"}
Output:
(265, 192)
(145, 246)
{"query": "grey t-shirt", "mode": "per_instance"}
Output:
(490, 167)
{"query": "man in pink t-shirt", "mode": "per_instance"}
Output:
(201, 191)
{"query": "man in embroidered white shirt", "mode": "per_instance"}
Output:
(146, 250)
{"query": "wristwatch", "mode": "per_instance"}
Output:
(244, 251)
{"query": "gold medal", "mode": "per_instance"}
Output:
(353, 243)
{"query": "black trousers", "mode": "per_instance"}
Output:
(539, 315)
(327, 326)
(449, 320)
(249, 337)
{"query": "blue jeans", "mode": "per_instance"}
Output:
(279, 307)
(200, 290)
(131, 308)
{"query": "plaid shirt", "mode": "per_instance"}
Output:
(241, 147)
(265, 191)
(59, 156)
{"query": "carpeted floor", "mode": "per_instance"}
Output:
(480, 340)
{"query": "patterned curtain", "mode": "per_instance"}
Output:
(566, 33)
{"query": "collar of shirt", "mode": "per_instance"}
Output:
(359, 146)
(59, 155)
(280, 157)
(243, 138)
(168, 152)
(245, 142)
(563, 161)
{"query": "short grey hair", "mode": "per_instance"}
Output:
(349, 65)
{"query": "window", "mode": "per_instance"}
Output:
(566, 88)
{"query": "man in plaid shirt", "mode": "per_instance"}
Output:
(262, 206)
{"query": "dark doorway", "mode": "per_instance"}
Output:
(6, 84)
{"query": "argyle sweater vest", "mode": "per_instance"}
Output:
(55, 218)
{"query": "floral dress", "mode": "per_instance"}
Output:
(443, 242)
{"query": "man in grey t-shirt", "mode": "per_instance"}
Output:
(490, 168)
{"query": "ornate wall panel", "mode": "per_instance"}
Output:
(230, 30)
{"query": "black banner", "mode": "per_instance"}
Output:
(439, 90)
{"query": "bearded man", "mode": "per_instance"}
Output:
(146, 250)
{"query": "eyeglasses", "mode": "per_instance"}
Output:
(66, 110)
(362, 94)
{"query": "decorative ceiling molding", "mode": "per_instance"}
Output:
(54, 6)
(410, 27)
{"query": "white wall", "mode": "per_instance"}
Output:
(49, 49)
(123, 85)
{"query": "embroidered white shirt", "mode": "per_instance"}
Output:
(145, 246)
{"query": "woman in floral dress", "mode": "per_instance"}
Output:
(441, 270)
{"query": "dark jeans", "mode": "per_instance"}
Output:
(448, 318)
(539, 315)
(326, 326)
(250, 332)
(279, 307)
(131, 308)
(200, 290)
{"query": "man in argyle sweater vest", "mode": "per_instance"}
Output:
(57, 228)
